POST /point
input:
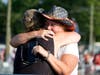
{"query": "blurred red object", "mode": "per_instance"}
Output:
(2, 53)
(96, 59)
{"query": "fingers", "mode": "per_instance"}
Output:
(50, 32)
(45, 38)
(35, 49)
(47, 34)
(39, 49)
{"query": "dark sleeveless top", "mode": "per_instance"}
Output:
(28, 62)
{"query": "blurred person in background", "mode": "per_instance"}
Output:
(2, 52)
(96, 62)
(89, 66)
(2, 55)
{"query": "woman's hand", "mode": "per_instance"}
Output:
(45, 33)
(39, 49)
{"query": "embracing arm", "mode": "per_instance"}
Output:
(24, 37)
(21, 38)
(72, 37)
(63, 66)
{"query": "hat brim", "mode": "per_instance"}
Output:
(65, 21)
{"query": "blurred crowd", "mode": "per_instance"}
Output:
(89, 63)
(6, 65)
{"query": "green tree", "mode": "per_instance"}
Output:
(2, 21)
(79, 9)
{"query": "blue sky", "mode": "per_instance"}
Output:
(5, 1)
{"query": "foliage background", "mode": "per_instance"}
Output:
(79, 9)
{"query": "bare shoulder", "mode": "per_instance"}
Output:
(73, 37)
(67, 38)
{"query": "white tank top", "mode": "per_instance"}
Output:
(71, 48)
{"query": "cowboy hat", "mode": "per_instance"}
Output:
(60, 15)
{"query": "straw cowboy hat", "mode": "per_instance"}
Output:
(60, 15)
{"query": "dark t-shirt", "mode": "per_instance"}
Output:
(28, 62)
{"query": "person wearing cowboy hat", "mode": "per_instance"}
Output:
(65, 57)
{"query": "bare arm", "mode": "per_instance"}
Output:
(21, 38)
(63, 66)
(24, 37)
